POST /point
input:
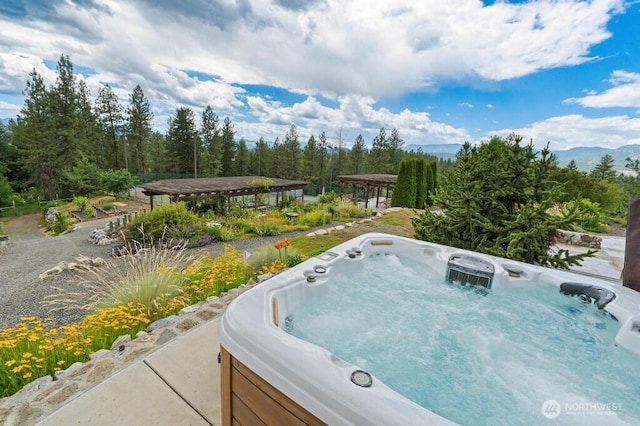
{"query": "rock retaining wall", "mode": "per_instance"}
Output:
(44, 395)
(579, 239)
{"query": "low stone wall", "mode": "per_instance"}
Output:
(44, 395)
(579, 239)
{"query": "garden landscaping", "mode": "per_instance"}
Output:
(171, 282)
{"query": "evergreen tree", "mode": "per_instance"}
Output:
(310, 163)
(292, 154)
(181, 139)
(323, 151)
(276, 165)
(261, 155)
(422, 175)
(378, 158)
(605, 169)
(394, 146)
(63, 113)
(157, 153)
(404, 193)
(139, 118)
(88, 131)
(242, 159)
(33, 137)
(111, 119)
(357, 157)
(211, 143)
(432, 182)
(495, 200)
(228, 146)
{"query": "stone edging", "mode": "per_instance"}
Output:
(44, 395)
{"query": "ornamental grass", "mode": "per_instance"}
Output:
(151, 285)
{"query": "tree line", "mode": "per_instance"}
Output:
(61, 142)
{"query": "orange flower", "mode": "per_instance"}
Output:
(282, 244)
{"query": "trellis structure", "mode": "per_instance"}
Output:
(213, 188)
(370, 184)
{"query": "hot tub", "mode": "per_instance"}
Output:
(272, 375)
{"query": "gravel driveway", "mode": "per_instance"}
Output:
(29, 253)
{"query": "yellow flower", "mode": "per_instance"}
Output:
(27, 375)
(10, 362)
(27, 355)
(61, 362)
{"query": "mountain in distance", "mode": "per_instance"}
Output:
(586, 158)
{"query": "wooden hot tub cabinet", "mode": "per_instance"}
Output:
(247, 399)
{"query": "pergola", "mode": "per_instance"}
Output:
(369, 183)
(213, 188)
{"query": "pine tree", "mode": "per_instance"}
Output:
(139, 118)
(310, 163)
(605, 169)
(181, 138)
(211, 143)
(495, 200)
(88, 131)
(242, 159)
(357, 157)
(292, 154)
(228, 146)
(111, 119)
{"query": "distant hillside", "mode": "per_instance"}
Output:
(442, 150)
(586, 158)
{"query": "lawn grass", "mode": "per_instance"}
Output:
(396, 223)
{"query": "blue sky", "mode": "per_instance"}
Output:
(565, 72)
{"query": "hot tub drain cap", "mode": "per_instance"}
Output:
(361, 378)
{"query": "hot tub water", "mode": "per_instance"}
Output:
(466, 356)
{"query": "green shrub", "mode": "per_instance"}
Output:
(241, 224)
(266, 229)
(81, 202)
(107, 207)
(221, 233)
(315, 218)
(87, 212)
(60, 224)
(348, 209)
(404, 193)
(590, 217)
(159, 223)
(328, 198)
(262, 256)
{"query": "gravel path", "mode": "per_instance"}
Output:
(30, 253)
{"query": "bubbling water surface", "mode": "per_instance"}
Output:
(475, 358)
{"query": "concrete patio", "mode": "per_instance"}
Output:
(178, 384)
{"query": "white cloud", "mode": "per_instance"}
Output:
(332, 47)
(354, 115)
(8, 110)
(572, 131)
(624, 93)
(352, 52)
